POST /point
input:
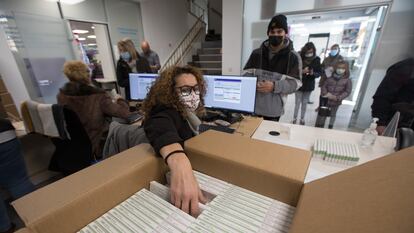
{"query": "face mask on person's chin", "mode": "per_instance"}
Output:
(191, 102)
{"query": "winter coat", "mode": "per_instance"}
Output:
(308, 81)
(341, 88)
(328, 62)
(284, 62)
(396, 87)
(123, 70)
(92, 105)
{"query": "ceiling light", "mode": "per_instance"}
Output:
(93, 27)
(92, 44)
(81, 38)
(91, 36)
(77, 31)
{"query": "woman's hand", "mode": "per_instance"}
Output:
(185, 192)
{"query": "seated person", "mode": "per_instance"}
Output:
(13, 174)
(171, 110)
(91, 104)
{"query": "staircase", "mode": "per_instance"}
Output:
(208, 58)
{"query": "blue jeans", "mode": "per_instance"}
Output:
(13, 177)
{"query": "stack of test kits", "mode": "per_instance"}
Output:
(334, 151)
(235, 209)
(240, 210)
(142, 212)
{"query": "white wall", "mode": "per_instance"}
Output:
(395, 44)
(10, 73)
(125, 20)
(232, 36)
(165, 25)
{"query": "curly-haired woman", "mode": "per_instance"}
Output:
(171, 109)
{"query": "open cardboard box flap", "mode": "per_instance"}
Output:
(74, 201)
(276, 171)
(373, 197)
(377, 196)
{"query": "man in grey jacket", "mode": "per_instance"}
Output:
(278, 68)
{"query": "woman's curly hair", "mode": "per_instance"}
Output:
(163, 91)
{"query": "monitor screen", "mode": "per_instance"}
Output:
(236, 93)
(140, 85)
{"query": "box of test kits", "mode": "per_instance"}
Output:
(373, 197)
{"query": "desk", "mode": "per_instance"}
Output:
(303, 137)
(106, 83)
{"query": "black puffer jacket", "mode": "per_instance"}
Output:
(308, 81)
(396, 87)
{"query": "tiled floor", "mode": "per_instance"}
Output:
(343, 115)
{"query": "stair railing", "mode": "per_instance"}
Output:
(181, 50)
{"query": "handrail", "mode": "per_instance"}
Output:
(183, 46)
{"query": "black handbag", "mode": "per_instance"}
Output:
(324, 110)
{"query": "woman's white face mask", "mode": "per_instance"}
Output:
(191, 101)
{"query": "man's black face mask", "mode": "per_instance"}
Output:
(275, 40)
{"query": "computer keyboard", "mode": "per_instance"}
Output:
(204, 127)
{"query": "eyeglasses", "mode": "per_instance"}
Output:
(186, 90)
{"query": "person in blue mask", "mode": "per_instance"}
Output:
(328, 65)
(129, 62)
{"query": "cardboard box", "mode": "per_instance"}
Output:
(273, 170)
(247, 126)
(373, 197)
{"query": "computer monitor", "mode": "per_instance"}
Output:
(235, 93)
(140, 84)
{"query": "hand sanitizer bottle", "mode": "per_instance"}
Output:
(370, 134)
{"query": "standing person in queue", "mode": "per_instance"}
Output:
(171, 109)
(278, 67)
(151, 56)
(329, 63)
(311, 70)
(336, 88)
(129, 62)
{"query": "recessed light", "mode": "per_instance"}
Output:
(81, 38)
(77, 31)
(91, 36)
(93, 27)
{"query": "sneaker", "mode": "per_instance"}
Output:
(310, 102)
(302, 122)
(330, 126)
(294, 121)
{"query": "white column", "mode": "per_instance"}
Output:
(232, 36)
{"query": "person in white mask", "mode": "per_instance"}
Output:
(336, 88)
(171, 108)
(328, 64)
